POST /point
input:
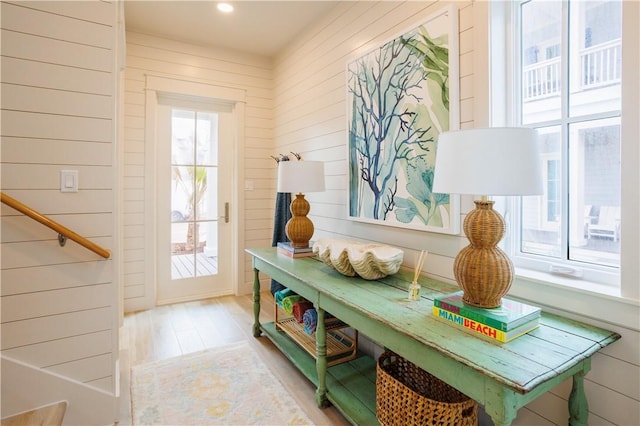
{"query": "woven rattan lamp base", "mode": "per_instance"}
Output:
(483, 270)
(299, 228)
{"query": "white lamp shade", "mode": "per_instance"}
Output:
(300, 176)
(493, 161)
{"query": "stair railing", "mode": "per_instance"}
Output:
(63, 232)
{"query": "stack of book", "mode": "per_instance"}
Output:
(502, 324)
(295, 252)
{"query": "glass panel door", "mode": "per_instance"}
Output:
(193, 186)
(194, 201)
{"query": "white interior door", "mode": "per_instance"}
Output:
(194, 166)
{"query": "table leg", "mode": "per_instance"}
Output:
(502, 420)
(500, 404)
(256, 303)
(321, 360)
(578, 405)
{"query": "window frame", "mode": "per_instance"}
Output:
(502, 35)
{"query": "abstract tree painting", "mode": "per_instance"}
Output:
(400, 98)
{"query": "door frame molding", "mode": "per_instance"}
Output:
(158, 85)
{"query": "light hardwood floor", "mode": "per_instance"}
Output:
(174, 330)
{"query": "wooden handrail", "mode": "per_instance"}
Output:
(63, 232)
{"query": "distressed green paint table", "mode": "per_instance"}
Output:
(501, 377)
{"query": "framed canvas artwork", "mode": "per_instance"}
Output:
(400, 97)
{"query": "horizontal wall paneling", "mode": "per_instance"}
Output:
(59, 304)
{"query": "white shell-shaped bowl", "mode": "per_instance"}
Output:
(351, 258)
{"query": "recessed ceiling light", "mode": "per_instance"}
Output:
(225, 7)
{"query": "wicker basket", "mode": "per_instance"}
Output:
(408, 395)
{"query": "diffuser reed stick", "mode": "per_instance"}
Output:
(414, 288)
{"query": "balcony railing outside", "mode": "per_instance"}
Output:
(542, 79)
(600, 66)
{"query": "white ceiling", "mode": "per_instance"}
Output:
(257, 27)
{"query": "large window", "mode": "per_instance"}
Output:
(567, 64)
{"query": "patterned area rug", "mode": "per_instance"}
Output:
(229, 385)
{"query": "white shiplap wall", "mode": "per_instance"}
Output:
(310, 117)
(58, 304)
(310, 112)
(149, 55)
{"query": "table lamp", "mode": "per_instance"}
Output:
(300, 177)
(493, 161)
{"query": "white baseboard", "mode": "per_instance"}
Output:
(25, 387)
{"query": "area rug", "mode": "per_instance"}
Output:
(228, 385)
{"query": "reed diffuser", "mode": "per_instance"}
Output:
(414, 288)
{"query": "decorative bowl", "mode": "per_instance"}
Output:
(368, 260)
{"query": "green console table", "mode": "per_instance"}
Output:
(501, 377)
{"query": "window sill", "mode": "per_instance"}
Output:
(571, 296)
(577, 284)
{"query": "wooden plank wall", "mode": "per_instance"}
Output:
(168, 58)
(310, 117)
(59, 304)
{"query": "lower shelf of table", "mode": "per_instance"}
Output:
(351, 386)
(340, 347)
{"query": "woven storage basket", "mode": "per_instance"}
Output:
(408, 395)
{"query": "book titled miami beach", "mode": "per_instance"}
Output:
(483, 330)
(511, 314)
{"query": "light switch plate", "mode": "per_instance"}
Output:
(68, 181)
